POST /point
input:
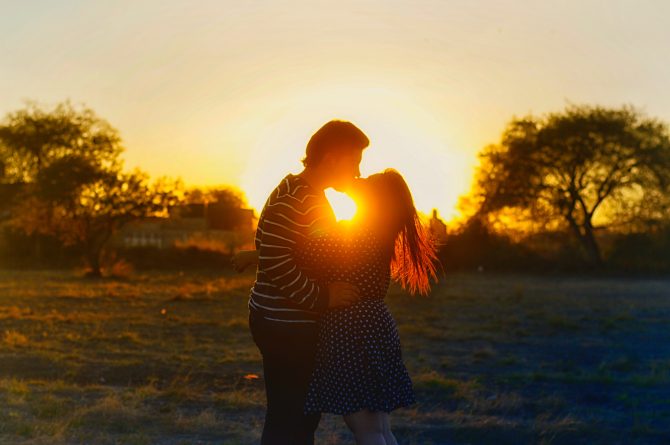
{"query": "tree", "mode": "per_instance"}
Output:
(227, 196)
(73, 188)
(573, 169)
(224, 206)
(100, 207)
(111, 202)
(33, 137)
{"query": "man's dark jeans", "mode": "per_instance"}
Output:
(288, 351)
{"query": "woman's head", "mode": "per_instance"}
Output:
(386, 205)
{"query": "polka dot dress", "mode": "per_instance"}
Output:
(359, 362)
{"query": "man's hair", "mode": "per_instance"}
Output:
(336, 137)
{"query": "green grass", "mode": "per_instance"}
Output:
(166, 358)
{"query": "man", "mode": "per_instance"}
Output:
(286, 300)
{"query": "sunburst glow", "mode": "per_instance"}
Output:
(343, 206)
(402, 135)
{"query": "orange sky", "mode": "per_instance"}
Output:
(224, 92)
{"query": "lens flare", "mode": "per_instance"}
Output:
(343, 206)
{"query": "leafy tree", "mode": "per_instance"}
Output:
(224, 206)
(573, 169)
(73, 188)
(227, 196)
(101, 206)
(34, 137)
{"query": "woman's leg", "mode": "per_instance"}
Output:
(388, 435)
(368, 427)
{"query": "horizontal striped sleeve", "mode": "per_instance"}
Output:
(284, 228)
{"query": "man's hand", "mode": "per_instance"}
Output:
(342, 294)
(243, 259)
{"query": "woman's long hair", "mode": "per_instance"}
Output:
(413, 256)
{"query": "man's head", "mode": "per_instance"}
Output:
(335, 152)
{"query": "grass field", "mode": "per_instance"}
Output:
(166, 358)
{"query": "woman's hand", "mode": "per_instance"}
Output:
(243, 259)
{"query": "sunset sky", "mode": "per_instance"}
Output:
(222, 92)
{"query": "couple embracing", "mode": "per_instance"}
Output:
(317, 311)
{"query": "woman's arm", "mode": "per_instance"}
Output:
(243, 259)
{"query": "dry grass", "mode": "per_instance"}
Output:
(14, 339)
(166, 358)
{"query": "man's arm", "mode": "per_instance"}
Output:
(243, 259)
(340, 293)
(279, 237)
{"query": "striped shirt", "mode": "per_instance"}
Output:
(284, 291)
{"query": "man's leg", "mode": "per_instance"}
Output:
(288, 360)
(286, 383)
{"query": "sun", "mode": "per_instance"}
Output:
(404, 134)
(343, 206)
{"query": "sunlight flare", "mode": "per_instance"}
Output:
(342, 204)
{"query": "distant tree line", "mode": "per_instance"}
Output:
(63, 190)
(587, 188)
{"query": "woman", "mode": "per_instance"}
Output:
(359, 371)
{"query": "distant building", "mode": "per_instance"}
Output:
(205, 225)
